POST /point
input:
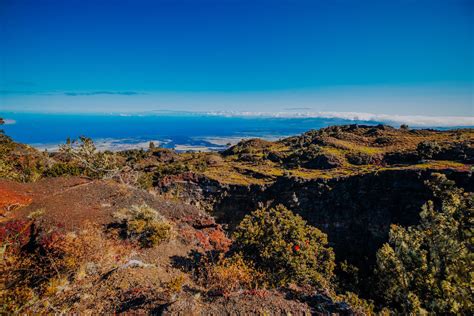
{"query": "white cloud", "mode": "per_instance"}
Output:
(412, 120)
(9, 122)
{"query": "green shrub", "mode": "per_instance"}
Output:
(428, 149)
(145, 181)
(144, 224)
(429, 267)
(166, 169)
(359, 158)
(347, 277)
(358, 305)
(133, 156)
(62, 169)
(303, 156)
(19, 162)
(282, 245)
(7, 171)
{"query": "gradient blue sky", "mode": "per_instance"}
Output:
(395, 57)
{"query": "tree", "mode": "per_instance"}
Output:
(281, 244)
(96, 163)
(429, 267)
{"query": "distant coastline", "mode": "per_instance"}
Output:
(192, 131)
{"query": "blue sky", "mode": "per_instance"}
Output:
(395, 57)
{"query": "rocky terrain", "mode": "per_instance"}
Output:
(351, 182)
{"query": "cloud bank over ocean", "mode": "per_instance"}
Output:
(419, 121)
(411, 120)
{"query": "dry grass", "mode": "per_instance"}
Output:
(226, 275)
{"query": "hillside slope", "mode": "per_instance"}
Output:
(151, 231)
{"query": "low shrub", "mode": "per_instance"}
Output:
(63, 169)
(37, 265)
(359, 158)
(304, 156)
(428, 149)
(214, 160)
(163, 170)
(224, 275)
(231, 274)
(145, 181)
(347, 277)
(133, 156)
(31, 259)
(143, 224)
(7, 171)
(283, 246)
(358, 305)
(323, 162)
(20, 163)
(175, 285)
(383, 140)
(402, 157)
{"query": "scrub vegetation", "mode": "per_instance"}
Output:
(86, 231)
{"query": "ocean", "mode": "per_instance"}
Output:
(191, 132)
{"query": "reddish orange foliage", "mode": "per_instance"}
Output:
(219, 240)
(213, 239)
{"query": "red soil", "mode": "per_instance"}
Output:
(11, 199)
